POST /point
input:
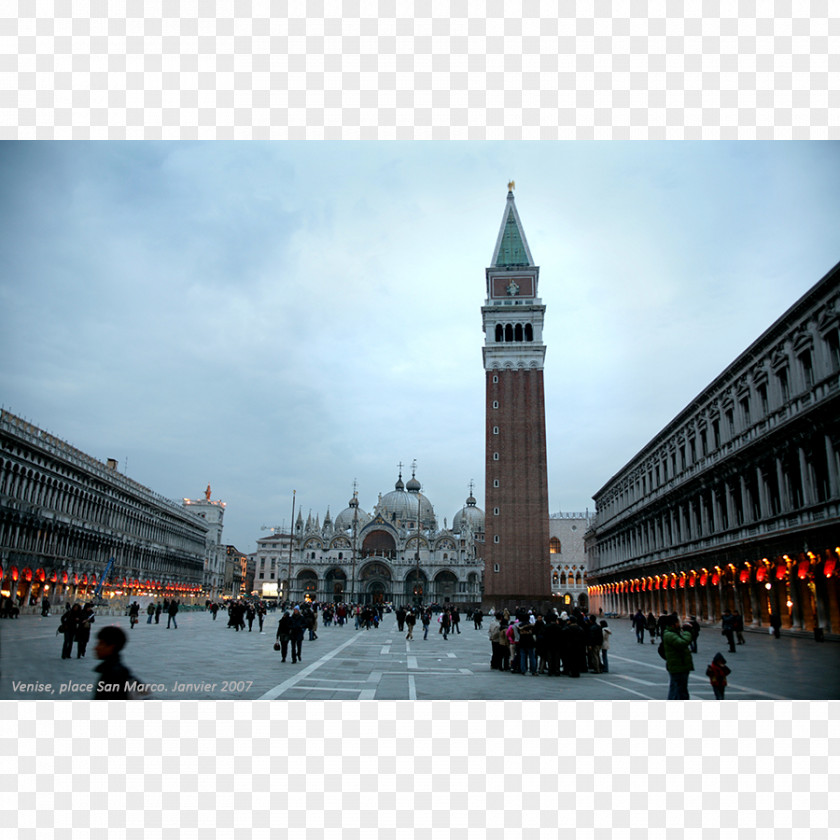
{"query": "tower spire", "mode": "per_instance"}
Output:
(511, 245)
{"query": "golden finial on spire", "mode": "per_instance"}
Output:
(511, 185)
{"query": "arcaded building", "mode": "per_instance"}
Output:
(64, 515)
(735, 504)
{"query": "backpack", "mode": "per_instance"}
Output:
(661, 650)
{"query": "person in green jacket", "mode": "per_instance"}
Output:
(676, 641)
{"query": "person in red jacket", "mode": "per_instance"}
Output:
(717, 673)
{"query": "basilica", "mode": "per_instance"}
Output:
(396, 554)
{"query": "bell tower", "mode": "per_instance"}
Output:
(516, 550)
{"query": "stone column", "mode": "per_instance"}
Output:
(797, 616)
(784, 495)
(805, 473)
(755, 603)
(833, 477)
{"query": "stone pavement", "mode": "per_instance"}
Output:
(204, 659)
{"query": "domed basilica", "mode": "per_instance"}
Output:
(395, 554)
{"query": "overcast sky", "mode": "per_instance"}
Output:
(270, 317)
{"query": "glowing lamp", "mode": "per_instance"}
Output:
(64, 577)
(692, 580)
(781, 569)
(760, 574)
(804, 568)
(39, 573)
(828, 568)
(27, 575)
(703, 578)
(75, 579)
(85, 579)
(744, 575)
(768, 585)
(715, 579)
(15, 573)
(682, 583)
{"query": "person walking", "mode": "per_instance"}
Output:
(68, 626)
(717, 672)
(45, 607)
(115, 680)
(251, 615)
(478, 617)
(776, 624)
(298, 625)
(410, 620)
(650, 623)
(504, 645)
(738, 627)
(158, 611)
(676, 642)
(261, 615)
(134, 614)
(594, 640)
(605, 646)
(150, 611)
(426, 620)
(284, 634)
(639, 625)
(456, 621)
(445, 624)
(728, 629)
(172, 612)
(86, 619)
(695, 632)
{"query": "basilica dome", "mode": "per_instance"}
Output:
(469, 515)
(401, 506)
(344, 520)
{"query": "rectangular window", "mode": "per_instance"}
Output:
(762, 398)
(496, 539)
(730, 422)
(495, 511)
(807, 366)
(495, 403)
(495, 380)
(495, 456)
(495, 482)
(495, 567)
(833, 342)
(745, 410)
(784, 385)
(495, 430)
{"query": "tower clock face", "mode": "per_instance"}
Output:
(512, 288)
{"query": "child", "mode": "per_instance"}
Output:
(717, 673)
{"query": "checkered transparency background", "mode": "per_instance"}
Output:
(363, 69)
(422, 70)
(393, 769)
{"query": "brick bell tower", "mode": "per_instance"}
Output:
(516, 550)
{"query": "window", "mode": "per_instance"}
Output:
(495, 567)
(745, 410)
(495, 511)
(807, 365)
(495, 380)
(730, 422)
(495, 456)
(499, 335)
(554, 546)
(833, 342)
(762, 397)
(495, 482)
(529, 332)
(495, 430)
(784, 385)
(496, 539)
(495, 403)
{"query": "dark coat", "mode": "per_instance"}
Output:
(284, 627)
(113, 680)
(298, 625)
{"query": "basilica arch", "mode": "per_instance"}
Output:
(375, 583)
(335, 585)
(446, 586)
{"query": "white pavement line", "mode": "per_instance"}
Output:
(634, 679)
(386, 649)
(624, 688)
(465, 671)
(653, 665)
(374, 677)
(451, 655)
(368, 694)
(755, 691)
(412, 688)
(275, 692)
(411, 664)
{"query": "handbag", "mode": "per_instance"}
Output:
(277, 646)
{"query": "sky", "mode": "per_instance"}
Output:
(279, 317)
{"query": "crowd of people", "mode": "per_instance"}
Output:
(554, 644)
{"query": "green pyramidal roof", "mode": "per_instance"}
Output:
(511, 247)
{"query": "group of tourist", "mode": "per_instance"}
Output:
(554, 644)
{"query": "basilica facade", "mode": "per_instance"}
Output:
(397, 553)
